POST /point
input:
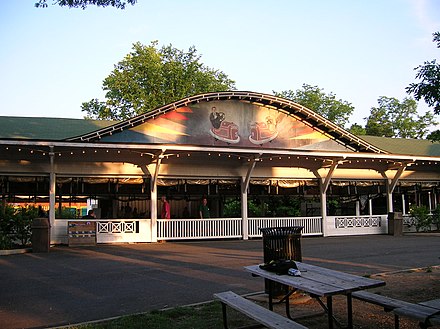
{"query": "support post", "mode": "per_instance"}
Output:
(244, 211)
(403, 205)
(153, 198)
(153, 210)
(52, 190)
(244, 198)
(390, 206)
(323, 209)
(324, 183)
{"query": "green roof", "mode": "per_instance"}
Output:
(404, 146)
(57, 129)
(47, 128)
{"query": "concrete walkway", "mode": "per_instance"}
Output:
(72, 285)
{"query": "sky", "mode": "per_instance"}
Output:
(54, 59)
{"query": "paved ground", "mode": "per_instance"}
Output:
(72, 285)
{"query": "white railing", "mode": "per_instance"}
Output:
(139, 230)
(312, 225)
(123, 230)
(212, 228)
(356, 225)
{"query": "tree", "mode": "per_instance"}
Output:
(314, 98)
(393, 118)
(429, 86)
(148, 78)
(84, 3)
(357, 129)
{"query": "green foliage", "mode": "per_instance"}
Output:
(393, 118)
(436, 217)
(434, 136)
(358, 130)
(148, 78)
(23, 221)
(314, 98)
(232, 208)
(422, 217)
(272, 207)
(15, 225)
(66, 213)
(428, 87)
(84, 3)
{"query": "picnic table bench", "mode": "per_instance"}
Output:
(427, 313)
(254, 311)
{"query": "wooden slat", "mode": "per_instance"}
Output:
(356, 280)
(416, 311)
(299, 282)
(435, 303)
(387, 302)
(260, 314)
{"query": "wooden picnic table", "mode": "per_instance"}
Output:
(318, 282)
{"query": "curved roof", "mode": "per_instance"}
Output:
(299, 112)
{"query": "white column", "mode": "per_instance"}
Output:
(323, 209)
(429, 202)
(52, 191)
(153, 210)
(403, 205)
(370, 207)
(390, 207)
(358, 208)
(244, 210)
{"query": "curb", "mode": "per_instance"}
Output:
(7, 252)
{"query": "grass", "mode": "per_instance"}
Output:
(202, 316)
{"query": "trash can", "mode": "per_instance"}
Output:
(281, 243)
(40, 235)
(395, 223)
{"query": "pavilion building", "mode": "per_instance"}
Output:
(235, 148)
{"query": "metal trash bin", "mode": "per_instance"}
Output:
(40, 235)
(395, 223)
(281, 243)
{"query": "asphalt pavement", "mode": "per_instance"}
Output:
(72, 285)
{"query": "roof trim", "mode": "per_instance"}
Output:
(305, 115)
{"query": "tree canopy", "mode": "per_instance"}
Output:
(149, 77)
(314, 98)
(393, 118)
(429, 86)
(84, 3)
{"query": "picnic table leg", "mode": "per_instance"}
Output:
(349, 311)
(225, 318)
(330, 311)
(270, 286)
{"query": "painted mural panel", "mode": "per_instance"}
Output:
(221, 123)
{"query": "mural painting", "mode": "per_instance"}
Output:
(220, 123)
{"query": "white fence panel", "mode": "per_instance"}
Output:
(211, 228)
(312, 225)
(357, 225)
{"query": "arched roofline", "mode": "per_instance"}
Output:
(303, 114)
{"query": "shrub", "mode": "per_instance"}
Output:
(436, 217)
(15, 225)
(422, 218)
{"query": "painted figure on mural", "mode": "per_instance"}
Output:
(204, 209)
(222, 130)
(264, 131)
(165, 214)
